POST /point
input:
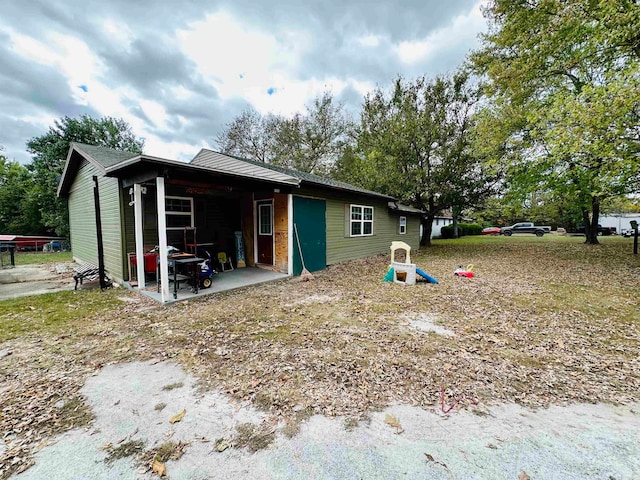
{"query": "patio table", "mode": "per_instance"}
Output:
(181, 261)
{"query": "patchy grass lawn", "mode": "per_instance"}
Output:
(33, 258)
(545, 321)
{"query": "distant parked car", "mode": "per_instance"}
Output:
(601, 230)
(491, 231)
(525, 227)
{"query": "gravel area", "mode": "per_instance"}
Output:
(575, 442)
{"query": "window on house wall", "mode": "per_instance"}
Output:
(361, 221)
(264, 219)
(403, 225)
(179, 212)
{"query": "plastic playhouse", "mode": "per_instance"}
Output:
(405, 272)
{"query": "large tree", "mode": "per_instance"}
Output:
(415, 143)
(314, 141)
(18, 212)
(49, 152)
(564, 80)
(310, 142)
(250, 135)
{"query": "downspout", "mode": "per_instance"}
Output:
(96, 201)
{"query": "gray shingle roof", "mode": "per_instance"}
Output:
(204, 154)
(106, 157)
(403, 208)
(235, 166)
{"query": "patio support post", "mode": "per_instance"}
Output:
(162, 239)
(137, 215)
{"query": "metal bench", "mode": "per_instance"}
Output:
(86, 271)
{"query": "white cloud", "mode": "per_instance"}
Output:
(412, 52)
(463, 29)
(369, 40)
(118, 32)
(246, 63)
(229, 53)
(172, 150)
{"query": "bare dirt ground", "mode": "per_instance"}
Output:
(543, 323)
(26, 280)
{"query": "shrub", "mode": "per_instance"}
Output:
(463, 229)
(447, 231)
(470, 228)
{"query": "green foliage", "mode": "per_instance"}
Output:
(310, 142)
(415, 144)
(541, 208)
(622, 205)
(565, 88)
(315, 141)
(464, 229)
(17, 210)
(50, 151)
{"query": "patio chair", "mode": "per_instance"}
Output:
(190, 244)
(224, 261)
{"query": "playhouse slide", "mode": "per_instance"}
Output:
(426, 276)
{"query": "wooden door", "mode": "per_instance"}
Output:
(264, 232)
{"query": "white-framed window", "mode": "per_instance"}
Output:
(361, 221)
(179, 212)
(265, 223)
(403, 226)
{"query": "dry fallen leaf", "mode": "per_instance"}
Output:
(517, 358)
(222, 444)
(178, 417)
(394, 422)
(523, 476)
(159, 468)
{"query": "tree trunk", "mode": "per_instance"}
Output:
(427, 228)
(455, 212)
(591, 226)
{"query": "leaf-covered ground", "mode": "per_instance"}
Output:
(544, 321)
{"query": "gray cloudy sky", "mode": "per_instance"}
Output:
(178, 71)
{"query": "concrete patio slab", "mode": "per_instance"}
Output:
(222, 282)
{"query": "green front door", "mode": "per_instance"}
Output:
(310, 219)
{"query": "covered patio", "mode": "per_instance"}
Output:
(241, 212)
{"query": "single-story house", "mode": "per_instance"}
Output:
(440, 221)
(247, 209)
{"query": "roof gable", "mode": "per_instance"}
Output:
(105, 157)
(101, 157)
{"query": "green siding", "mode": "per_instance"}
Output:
(82, 215)
(83, 223)
(341, 247)
(111, 227)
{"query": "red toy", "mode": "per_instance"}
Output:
(461, 272)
